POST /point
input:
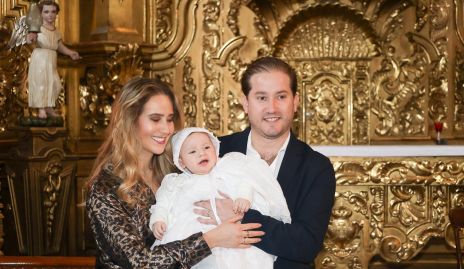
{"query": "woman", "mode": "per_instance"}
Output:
(127, 172)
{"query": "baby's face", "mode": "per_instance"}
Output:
(198, 154)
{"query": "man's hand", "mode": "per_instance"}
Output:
(224, 207)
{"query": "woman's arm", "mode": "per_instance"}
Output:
(116, 232)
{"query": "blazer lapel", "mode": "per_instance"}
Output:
(290, 163)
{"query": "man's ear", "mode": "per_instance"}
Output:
(244, 102)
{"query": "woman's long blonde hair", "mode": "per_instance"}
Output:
(121, 147)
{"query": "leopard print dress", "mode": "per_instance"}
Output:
(122, 234)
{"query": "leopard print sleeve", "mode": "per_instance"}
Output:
(121, 235)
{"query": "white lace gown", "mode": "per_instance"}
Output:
(235, 174)
(44, 81)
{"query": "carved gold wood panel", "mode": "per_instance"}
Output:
(389, 206)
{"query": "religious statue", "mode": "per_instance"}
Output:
(43, 79)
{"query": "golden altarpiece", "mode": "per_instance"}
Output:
(370, 72)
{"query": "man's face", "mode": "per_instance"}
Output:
(270, 104)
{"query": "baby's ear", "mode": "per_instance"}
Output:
(181, 163)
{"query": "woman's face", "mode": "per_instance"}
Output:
(49, 14)
(155, 125)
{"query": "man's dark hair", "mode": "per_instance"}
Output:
(267, 64)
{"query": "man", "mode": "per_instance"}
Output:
(306, 177)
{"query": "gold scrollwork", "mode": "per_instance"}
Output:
(189, 97)
(408, 204)
(13, 86)
(211, 41)
(402, 113)
(377, 219)
(237, 116)
(163, 21)
(102, 83)
(51, 190)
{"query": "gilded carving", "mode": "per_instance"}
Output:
(163, 21)
(51, 191)
(407, 205)
(166, 77)
(13, 86)
(211, 94)
(459, 96)
(237, 120)
(360, 104)
(343, 234)
(331, 36)
(232, 17)
(102, 83)
(262, 30)
(376, 222)
(399, 95)
(189, 97)
(352, 173)
(439, 202)
(440, 11)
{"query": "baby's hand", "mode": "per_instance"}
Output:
(241, 205)
(159, 229)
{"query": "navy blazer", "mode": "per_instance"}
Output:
(307, 179)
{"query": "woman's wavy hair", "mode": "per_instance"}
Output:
(122, 146)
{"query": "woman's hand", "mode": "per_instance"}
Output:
(231, 234)
(224, 208)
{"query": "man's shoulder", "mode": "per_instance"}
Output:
(231, 137)
(308, 153)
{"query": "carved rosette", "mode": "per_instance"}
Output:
(102, 83)
(211, 94)
(189, 97)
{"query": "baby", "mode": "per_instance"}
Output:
(249, 181)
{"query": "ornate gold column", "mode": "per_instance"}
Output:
(40, 176)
